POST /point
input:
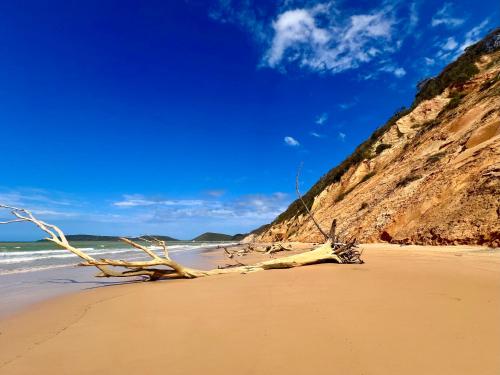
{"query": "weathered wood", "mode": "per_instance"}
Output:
(327, 252)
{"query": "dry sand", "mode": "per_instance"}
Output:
(408, 310)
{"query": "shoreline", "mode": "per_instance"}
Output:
(413, 311)
(19, 291)
(73, 279)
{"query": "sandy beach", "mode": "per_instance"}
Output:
(408, 310)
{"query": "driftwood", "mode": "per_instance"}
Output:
(239, 251)
(164, 267)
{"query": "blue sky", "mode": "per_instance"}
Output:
(179, 117)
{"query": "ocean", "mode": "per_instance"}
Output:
(33, 271)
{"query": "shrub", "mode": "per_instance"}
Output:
(459, 71)
(261, 229)
(363, 151)
(491, 82)
(428, 125)
(489, 113)
(367, 176)
(381, 147)
(436, 157)
(341, 196)
(453, 103)
(410, 178)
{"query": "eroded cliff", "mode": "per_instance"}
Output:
(431, 175)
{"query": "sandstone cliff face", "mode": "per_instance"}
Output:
(433, 177)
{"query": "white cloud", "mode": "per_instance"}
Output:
(450, 44)
(316, 135)
(137, 200)
(429, 61)
(321, 36)
(40, 202)
(444, 17)
(319, 39)
(245, 16)
(30, 197)
(257, 208)
(347, 105)
(473, 35)
(293, 27)
(216, 193)
(321, 119)
(451, 48)
(342, 136)
(134, 214)
(54, 213)
(413, 18)
(397, 71)
(290, 141)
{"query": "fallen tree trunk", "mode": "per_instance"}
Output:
(330, 251)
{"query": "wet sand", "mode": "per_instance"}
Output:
(408, 310)
(21, 290)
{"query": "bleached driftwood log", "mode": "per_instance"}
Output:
(255, 248)
(163, 267)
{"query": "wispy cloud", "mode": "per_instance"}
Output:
(444, 16)
(245, 16)
(22, 196)
(396, 70)
(473, 35)
(386, 67)
(450, 44)
(321, 119)
(342, 136)
(133, 214)
(137, 200)
(451, 48)
(317, 135)
(413, 17)
(429, 61)
(55, 205)
(320, 36)
(255, 208)
(347, 105)
(216, 193)
(40, 201)
(290, 141)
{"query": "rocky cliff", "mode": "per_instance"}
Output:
(430, 175)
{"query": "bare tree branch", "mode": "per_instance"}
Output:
(327, 252)
(305, 205)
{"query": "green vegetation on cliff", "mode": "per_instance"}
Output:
(455, 74)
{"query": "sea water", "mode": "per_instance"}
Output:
(34, 271)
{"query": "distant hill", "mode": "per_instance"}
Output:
(239, 236)
(90, 237)
(209, 236)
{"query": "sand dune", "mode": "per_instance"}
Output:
(408, 310)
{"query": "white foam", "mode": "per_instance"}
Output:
(34, 269)
(52, 255)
